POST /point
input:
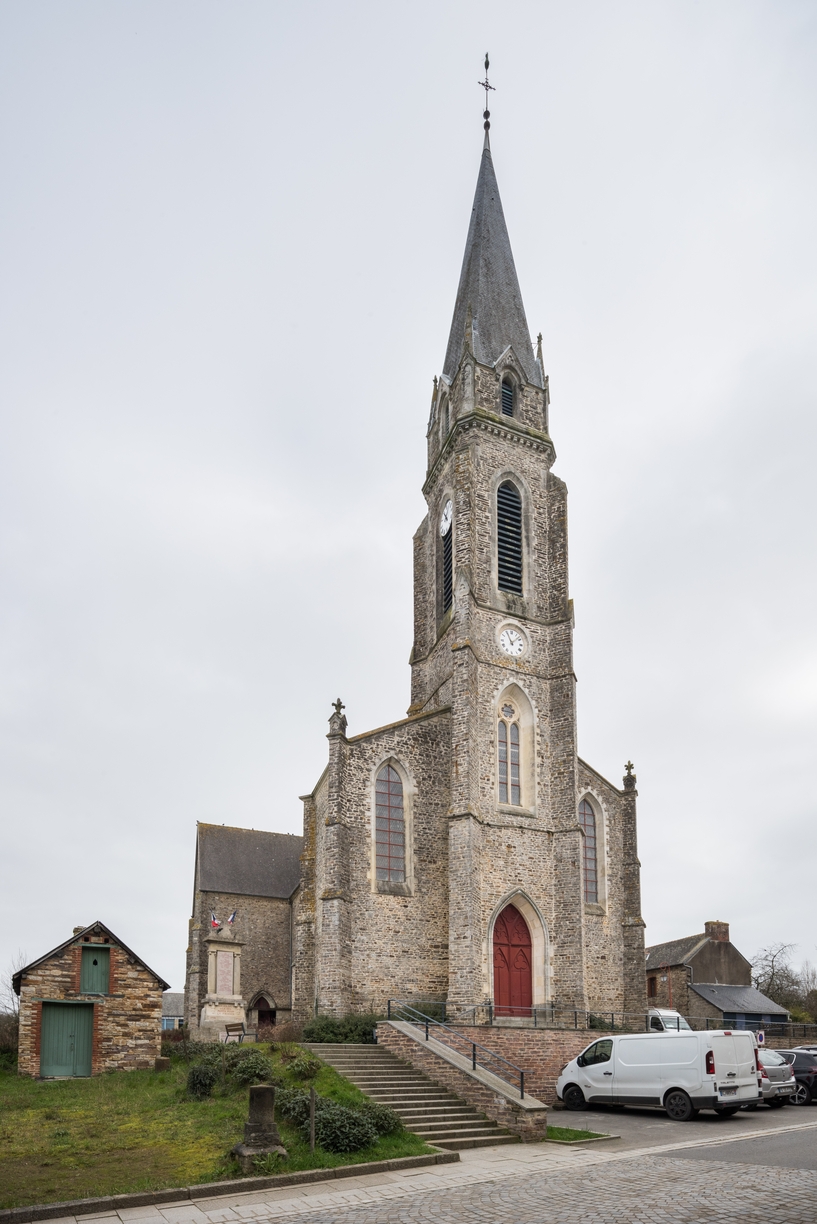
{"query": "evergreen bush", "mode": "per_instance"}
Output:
(253, 1068)
(200, 1081)
(354, 1030)
(384, 1120)
(338, 1129)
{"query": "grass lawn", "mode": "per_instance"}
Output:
(566, 1134)
(139, 1130)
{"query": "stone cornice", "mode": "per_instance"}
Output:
(505, 428)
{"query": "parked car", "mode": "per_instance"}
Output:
(666, 1020)
(680, 1072)
(804, 1066)
(777, 1082)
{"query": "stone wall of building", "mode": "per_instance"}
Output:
(264, 927)
(127, 1021)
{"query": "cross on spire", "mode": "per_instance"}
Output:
(486, 85)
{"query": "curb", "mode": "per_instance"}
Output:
(238, 1185)
(576, 1142)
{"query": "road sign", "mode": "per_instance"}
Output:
(761, 1037)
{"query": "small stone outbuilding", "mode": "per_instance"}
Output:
(88, 1006)
(705, 976)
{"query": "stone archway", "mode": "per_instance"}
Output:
(513, 973)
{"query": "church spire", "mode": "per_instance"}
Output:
(489, 288)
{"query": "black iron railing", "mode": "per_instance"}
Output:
(479, 1055)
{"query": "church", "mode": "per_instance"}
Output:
(464, 853)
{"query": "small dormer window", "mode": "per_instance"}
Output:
(507, 397)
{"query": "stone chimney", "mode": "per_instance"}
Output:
(718, 931)
(79, 930)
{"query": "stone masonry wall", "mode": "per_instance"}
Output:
(127, 1021)
(263, 925)
(530, 1126)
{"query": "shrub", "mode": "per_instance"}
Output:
(200, 1081)
(289, 1051)
(254, 1068)
(356, 1030)
(306, 1066)
(338, 1129)
(293, 1104)
(384, 1120)
(277, 1033)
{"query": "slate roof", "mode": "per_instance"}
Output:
(489, 287)
(173, 1003)
(248, 862)
(676, 952)
(96, 928)
(738, 999)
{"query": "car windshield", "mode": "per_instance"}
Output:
(672, 1020)
(770, 1058)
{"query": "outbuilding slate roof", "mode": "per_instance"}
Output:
(173, 1003)
(676, 952)
(741, 999)
(247, 862)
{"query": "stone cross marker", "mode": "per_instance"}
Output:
(261, 1136)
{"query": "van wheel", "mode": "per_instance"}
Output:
(573, 1097)
(678, 1106)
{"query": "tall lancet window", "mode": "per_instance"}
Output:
(509, 538)
(587, 820)
(446, 567)
(390, 827)
(510, 787)
(506, 402)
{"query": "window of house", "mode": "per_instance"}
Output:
(509, 538)
(587, 820)
(506, 401)
(390, 827)
(510, 789)
(652, 988)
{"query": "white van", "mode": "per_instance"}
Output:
(680, 1072)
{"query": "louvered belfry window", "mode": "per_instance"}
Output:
(587, 820)
(509, 538)
(507, 397)
(510, 790)
(390, 827)
(448, 570)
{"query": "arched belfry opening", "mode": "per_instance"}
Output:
(513, 964)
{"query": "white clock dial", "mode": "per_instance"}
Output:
(445, 521)
(512, 642)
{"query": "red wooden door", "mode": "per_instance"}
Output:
(513, 987)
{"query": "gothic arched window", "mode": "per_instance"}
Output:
(446, 566)
(508, 762)
(509, 538)
(506, 401)
(390, 827)
(587, 820)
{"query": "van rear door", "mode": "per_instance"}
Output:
(735, 1074)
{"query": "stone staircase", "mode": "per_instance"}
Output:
(432, 1112)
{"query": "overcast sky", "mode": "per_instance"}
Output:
(231, 235)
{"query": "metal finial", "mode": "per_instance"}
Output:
(486, 85)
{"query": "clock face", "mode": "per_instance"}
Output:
(447, 515)
(512, 642)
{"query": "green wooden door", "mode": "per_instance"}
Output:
(95, 970)
(66, 1038)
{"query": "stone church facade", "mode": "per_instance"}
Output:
(465, 852)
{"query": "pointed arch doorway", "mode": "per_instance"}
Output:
(513, 977)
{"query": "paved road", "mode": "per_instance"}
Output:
(704, 1175)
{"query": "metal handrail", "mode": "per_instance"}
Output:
(411, 1015)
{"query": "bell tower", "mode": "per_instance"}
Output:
(493, 618)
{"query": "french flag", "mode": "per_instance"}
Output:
(214, 922)
(231, 919)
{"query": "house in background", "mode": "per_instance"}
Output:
(88, 1006)
(705, 976)
(172, 1010)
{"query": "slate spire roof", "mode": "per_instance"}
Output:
(488, 296)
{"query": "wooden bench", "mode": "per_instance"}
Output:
(235, 1032)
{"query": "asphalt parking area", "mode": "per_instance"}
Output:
(640, 1128)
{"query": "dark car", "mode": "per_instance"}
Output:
(804, 1064)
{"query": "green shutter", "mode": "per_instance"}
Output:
(95, 970)
(66, 1038)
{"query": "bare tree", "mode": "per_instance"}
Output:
(9, 1003)
(774, 975)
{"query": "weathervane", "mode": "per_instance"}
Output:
(486, 85)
